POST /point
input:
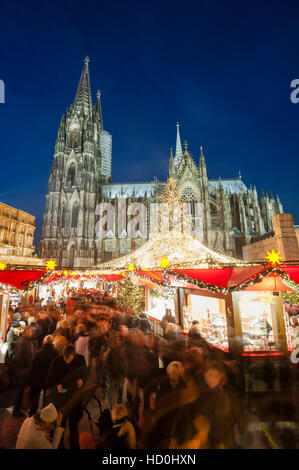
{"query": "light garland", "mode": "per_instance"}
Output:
(155, 281)
(239, 287)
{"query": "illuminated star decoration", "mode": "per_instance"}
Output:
(273, 257)
(131, 267)
(2, 266)
(164, 262)
(51, 265)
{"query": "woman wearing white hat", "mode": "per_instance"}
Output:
(35, 432)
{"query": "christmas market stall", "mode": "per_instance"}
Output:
(238, 305)
(13, 285)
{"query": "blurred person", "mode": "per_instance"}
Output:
(23, 356)
(291, 309)
(115, 366)
(98, 337)
(172, 331)
(25, 315)
(168, 317)
(173, 349)
(36, 431)
(81, 343)
(145, 324)
(36, 332)
(215, 404)
(195, 362)
(38, 371)
(66, 377)
(64, 330)
(195, 338)
(171, 423)
(172, 381)
(123, 329)
(124, 432)
(86, 441)
(59, 343)
(12, 317)
(16, 330)
(138, 360)
(45, 325)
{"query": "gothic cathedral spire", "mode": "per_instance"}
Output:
(98, 111)
(83, 102)
(178, 148)
(81, 164)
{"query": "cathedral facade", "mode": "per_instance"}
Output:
(80, 179)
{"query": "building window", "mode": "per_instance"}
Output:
(71, 174)
(75, 215)
(63, 216)
(189, 195)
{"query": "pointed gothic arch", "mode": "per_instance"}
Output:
(75, 215)
(71, 174)
(71, 252)
(63, 215)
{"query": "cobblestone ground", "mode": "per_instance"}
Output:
(282, 432)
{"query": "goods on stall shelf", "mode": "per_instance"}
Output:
(14, 300)
(210, 312)
(214, 329)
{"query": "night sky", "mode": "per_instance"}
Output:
(222, 69)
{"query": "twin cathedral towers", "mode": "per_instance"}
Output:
(80, 179)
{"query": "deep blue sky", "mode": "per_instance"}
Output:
(223, 69)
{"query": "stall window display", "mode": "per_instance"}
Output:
(258, 318)
(14, 299)
(4, 302)
(89, 285)
(291, 321)
(159, 302)
(211, 314)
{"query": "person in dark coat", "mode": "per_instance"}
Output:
(36, 332)
(46, 327)
(14, 333)
(39, 369)
(167, 318)
(145, 324)
(12, 318)
(66, 377)
(215, 404)
(23, 355)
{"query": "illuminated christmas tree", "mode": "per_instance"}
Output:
(173, 212)
(130, 295)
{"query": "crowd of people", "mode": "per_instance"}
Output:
(167, 391)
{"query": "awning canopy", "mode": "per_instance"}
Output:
(20, 279)
(225, 280)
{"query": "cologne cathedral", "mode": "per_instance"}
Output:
(80, 179)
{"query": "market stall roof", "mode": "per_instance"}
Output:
(227, 280)
(20, 279)
(224, 279)
(180, 250)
